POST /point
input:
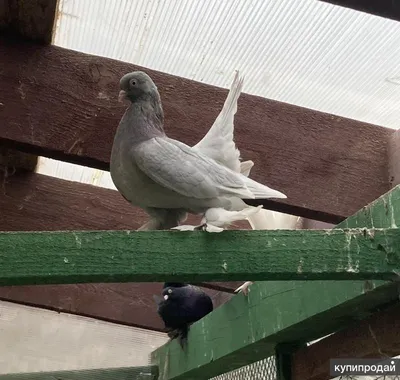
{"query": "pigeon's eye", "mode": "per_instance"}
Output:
(133, 82)
(169, 291)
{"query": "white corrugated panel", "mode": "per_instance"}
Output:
(303, 52)
(34, 340)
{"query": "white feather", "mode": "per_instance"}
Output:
(218, 143)
(220, 217)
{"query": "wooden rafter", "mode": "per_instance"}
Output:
(69, 257)
(292, 317)
(63, 104)
(32, 20)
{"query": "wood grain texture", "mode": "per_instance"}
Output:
(30, 19)
(377, 336)
(384, 8)
(29, 258)
(63, 104)
(247, 329)
(327, 301)
(35, 202)
(394, 158)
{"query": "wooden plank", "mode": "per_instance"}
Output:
(328, 166)
(394, 158)
(228, 334)
(374, 337)
(384, 8)
(33, 19)
(127, 373)
(32, 201)
(125, 256)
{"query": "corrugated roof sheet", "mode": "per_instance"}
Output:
(303, 52)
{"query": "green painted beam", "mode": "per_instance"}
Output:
(247, 329)
(124, 373)
(120, 256)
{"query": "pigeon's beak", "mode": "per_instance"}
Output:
(122, 96)
(166, 297)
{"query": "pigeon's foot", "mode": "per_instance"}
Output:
(173, 334)
(201, 227)
(244, 288)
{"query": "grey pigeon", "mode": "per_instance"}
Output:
(182, 304)
(168, 178)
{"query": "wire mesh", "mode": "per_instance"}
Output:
(262, 370)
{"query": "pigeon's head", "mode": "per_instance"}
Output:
(137, 85)
(171, 293)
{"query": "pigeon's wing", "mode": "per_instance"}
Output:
(178, 167)
(218, 142)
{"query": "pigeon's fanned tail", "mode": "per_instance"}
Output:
(218, 143)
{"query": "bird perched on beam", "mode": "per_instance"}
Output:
(169, 179)
(180, 306)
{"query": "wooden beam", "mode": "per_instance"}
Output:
(328, 166)
(33, 19)
(35, 202)
(331, 312)
(127, 373)
(377, 336)
(394, 158)
(384, 8)
(124, 256)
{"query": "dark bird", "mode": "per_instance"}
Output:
(180, 306)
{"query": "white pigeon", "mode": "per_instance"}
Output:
(167, 178)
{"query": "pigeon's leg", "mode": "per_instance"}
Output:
(173, 334)
(163, 219)
(244, 288)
